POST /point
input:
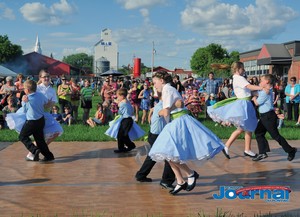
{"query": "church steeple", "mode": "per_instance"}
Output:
(37, 47)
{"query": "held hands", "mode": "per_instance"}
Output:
(25, 98)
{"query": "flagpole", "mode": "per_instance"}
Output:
(153, 51)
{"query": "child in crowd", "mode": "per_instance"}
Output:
(280, 116)
(211, 100)
(11, 107)
(55, 114)
(145, 101)
(67, 116)
(123, 128)
(268, 121)
(99, 118)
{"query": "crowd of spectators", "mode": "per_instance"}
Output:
(75, 94)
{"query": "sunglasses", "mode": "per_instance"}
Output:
(293, 80)
(46, 76)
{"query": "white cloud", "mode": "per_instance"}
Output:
(6, 13)
(134, 4)
(56, 14)
(262, 20)
(70, 51)
(185, 42)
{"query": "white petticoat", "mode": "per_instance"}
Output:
(15, 121)
(185, 139)
(135, 132)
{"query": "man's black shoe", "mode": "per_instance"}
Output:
(167, 186)
(131, 147)
(120, 150)
(260, 157)
(292, 154)
(145, 179)
(46, 160)
(36, 155)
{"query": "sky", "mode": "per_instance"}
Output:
(174, 28)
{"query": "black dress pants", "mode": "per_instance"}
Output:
(168, 175)
(268, 123)
(35, 128)
(123, 134)
(290, 107)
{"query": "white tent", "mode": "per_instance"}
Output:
(6, 72)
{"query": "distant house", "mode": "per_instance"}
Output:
(278, 59)
(32, 63)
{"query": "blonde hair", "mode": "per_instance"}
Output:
(236, 66)
(30, 85)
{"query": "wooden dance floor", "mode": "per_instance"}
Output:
(89, 179)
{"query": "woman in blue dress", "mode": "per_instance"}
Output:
(145, 102)
(182, 139)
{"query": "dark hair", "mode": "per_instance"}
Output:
(293, 78)
(270, 78)
(163, 75)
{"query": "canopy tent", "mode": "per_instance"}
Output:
(111, 72)
(4, 72)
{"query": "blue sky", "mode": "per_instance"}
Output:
(177, 27)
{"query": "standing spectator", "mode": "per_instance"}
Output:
(106, 91)
(292, 99)
(64, 92)
(178, 86)
(86, 100)
(211, 85)
(20, 88)
(75, 98)
(280, 116)
(134, 99)
(145, 101)
(58, 81)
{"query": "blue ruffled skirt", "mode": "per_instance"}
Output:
(185, 139)
(135, 132)
(240, 113)
(15, 121)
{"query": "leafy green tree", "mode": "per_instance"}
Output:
(203, 59)
(82, 61)
(8, 51)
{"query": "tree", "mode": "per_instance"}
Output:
(8, 51)
(81, 61)
(203, 58)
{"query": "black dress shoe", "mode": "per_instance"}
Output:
(131, 147)
(178, 188)
(292, 154)
(167, 186)
(260, 157)
(192, 186)
(145, 179)
(248, 155)
(120, 150)
(226, 155)
(36, 155)
(47, 159)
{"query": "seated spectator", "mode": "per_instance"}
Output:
(211, 100)
(67, 116)
(11, 107)
(280, 117)
(55, 113)
(107, 112)
(99, 118)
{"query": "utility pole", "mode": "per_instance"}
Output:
(153, 52)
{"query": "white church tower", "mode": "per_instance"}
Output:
(105, 50)
(37, 47)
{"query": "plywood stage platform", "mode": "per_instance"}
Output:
(89, 179)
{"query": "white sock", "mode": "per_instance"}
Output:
(226, 150)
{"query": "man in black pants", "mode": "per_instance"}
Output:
(157, 124)
(33, 103)
(268, 121)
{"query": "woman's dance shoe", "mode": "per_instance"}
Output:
(226, 155)
(250, 154)
(195, 176)
(179, 188)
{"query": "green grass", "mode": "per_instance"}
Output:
(79, 132)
